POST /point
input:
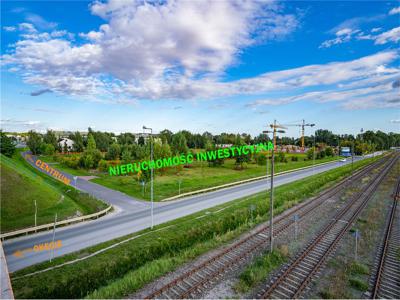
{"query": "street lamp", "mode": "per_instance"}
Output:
(266, 133)
(271, 220)
(151, 172)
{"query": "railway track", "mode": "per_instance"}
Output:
(386, 279)
(194, 280)
(295, 277)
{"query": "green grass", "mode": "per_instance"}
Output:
(259, 270)
(358, 284)
(21, 185)
(121, 270)
(76, 172)
(197, 176)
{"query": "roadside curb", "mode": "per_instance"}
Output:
(218, 187)
(50, 225)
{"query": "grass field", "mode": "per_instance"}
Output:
(126, 268)
(76, 172)
(197, 176)
(21, 185)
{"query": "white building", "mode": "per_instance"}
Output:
(68, 142)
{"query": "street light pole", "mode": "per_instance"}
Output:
(271, 221)
(152, 177)
(313, 157)
(35, 214)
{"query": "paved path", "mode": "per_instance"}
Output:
(120, 201)
(86, 234)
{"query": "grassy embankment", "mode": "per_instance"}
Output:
(76, 172)
(198, 176)
(124, 269)
(21, 185)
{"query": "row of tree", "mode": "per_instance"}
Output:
(125, 147)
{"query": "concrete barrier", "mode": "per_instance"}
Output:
(6, 287)
(50, 225)
(240, 182)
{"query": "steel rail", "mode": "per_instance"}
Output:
(232, 255)
(384, 267)
(311, 258)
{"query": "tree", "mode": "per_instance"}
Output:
(7, 145)
(261, 158)
(113, 152)
(78, 141)
(47, 149)
(91, 145)
(34, 142)
(310, 153)
(50, 138)
(166, 136)
(91, 156)
(141, 140)
(65, 148)
(126, 138)
(126, 156)
(179, 145)
(329, 151)
(240, 159)
(213, 162)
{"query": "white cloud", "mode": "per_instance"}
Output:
(363, 83)
(342, 36)
(185, 41)
(376, 29)
(345, 35)
(9, 28)
(39, 22)
(27, 27)
(394, 11)
(392, 35)
(395, 121)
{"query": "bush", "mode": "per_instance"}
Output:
(47, 149)
(71, 161)
(7, 145)
(294, 158)
(281, 157)
(358, 284)
(261, 158)
(329, 151)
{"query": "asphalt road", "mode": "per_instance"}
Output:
(82, 235)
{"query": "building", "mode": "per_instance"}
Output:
(66, 141)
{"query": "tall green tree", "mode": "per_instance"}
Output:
(50, 138)
(179, 145)
(113, 152)
(78, 141)
(7, 145)
(91, 156)
(34, 142)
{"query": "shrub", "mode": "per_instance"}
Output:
(358, 284)
(329, 151)
(294, 158)
(48, 149)
(261, 158)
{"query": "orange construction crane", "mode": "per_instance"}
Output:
(302, 125)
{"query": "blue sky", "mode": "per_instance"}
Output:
(218, 66)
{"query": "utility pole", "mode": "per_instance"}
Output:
(54, 235)
(152, 177)
(35, 214)
(271, 203)
(313, 157)
(352, 157)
